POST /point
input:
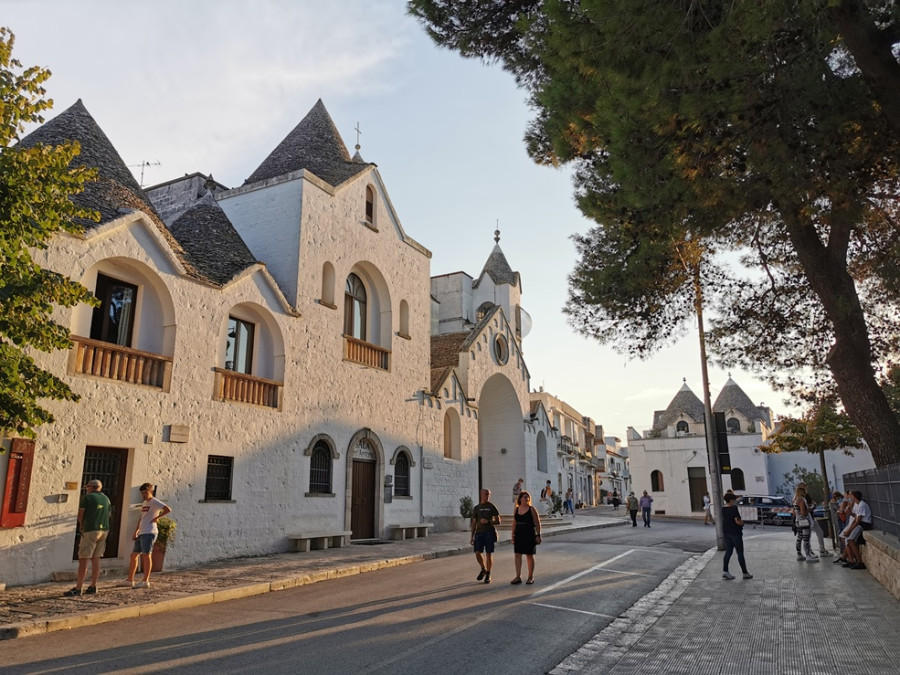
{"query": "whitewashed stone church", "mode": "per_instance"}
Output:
(276, 358)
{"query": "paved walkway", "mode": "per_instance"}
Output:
(791, 618)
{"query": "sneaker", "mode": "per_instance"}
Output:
(839, 560)
(812, 559)
(801, 558)
(72, 592)
(848, 564)
(517, 580)
(747, 575)
(824, 554)
(858, 566)
(487, 577)
(727, 575)
(142, 584)
(91, 590)
(481, 574)
(128, 583)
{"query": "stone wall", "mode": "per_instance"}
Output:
(882, 556)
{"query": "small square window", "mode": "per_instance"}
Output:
(218, 478)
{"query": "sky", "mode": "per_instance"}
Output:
(212, 86)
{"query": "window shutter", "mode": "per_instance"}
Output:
(18, 481)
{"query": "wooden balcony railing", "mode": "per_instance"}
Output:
(232, 386)
(123, 364)
(367, 354)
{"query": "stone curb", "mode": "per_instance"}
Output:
(29, 628)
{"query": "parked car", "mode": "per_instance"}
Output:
(771, 509)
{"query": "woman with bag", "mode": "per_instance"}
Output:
(526, 535)
(802, 525)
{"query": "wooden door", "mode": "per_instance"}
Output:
(108, 466)
(697, 487)
(362, 511)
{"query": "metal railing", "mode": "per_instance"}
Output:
(881, 491)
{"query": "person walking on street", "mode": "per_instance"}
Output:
(733, 533)
(93, 522)
(815, 528)
(485, 517)
(707, 509)
(145, 534)
(646, 502)
(802, 518)
(526, 535)
(632, 504)
(569, 503)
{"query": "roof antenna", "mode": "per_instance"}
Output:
(143, 165)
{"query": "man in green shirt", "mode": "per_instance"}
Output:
(93, 521)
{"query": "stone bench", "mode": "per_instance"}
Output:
(411, 531)
(318, 541)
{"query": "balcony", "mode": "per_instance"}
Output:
(566, 446)
(241, 388)
(366, 354)
(122, 364)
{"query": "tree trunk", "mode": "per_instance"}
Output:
(871, 48)
(850, 358)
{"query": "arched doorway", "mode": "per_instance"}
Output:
(365, 463)
(501, 437)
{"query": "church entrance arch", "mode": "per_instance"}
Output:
(365, 463)
(501, 436)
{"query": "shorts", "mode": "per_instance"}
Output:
(853, 535)
(93, 544)
(484, 541)
(144, 543)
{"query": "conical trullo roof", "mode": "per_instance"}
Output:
(685, 401)
(115, 187)
(315, 145)
(732, 397)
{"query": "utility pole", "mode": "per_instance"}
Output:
(709, 423)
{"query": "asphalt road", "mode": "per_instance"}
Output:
(429, 617)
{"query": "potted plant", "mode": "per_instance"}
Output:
(166, 528)
(466, 510)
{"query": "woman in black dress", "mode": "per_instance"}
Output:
(526, 535)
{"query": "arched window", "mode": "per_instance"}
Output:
(452, 448)
(734, 425)
(401, 475)
(541, 452)
(681, 427)
(370, 205)
(737, 480)
(355, 308)
(656, 481)
(320, 469)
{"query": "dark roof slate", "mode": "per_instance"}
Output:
(498, 269)
(211, 243)
(115, 188)
(733, 397)
(685, 401)
(314, 144)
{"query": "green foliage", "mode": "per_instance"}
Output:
(35, 188)
(700, 129)
(466, 507)
(821, 428)
(166, 528)
(813, 479)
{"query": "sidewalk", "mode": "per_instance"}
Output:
(32, 610)
(792, 618)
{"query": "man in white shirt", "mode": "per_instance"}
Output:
(862, 520)
(145, 534)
